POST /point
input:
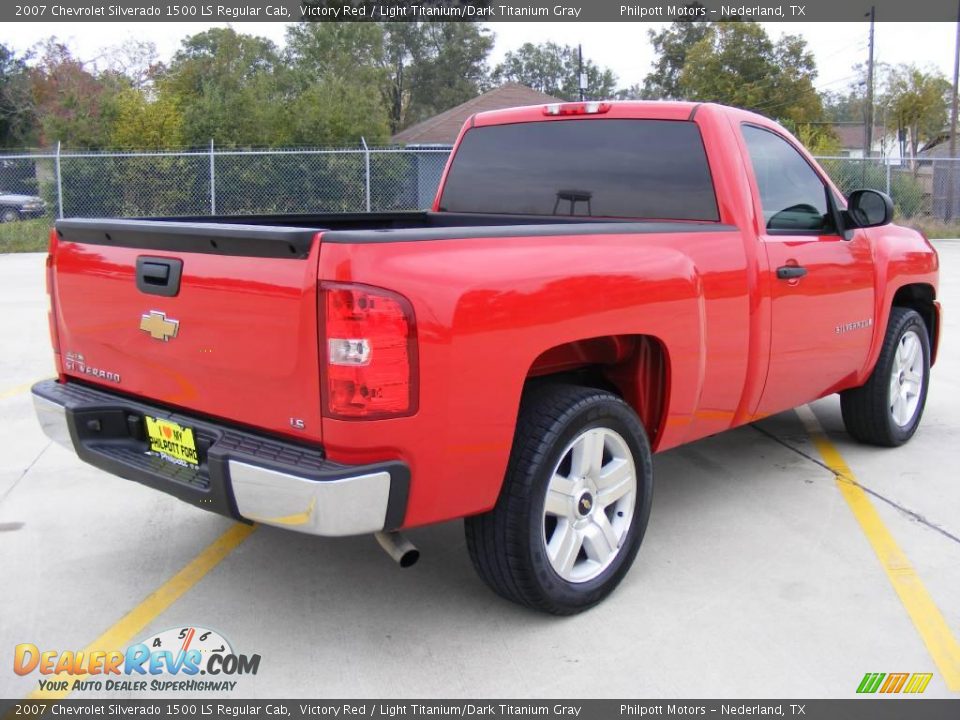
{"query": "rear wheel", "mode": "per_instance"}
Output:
(886, 410)
(574, 505)
(9, 215)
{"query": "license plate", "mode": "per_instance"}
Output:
(171, 441)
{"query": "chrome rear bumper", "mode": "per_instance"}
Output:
(352, 505)
(53, 421)
(241, 474)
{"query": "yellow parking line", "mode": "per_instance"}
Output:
(926, 616)
(123, 632)
(15, 390)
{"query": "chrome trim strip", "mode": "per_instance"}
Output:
(348, 506)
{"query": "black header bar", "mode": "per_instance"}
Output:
(641, 11)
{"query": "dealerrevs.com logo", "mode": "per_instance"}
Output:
(170, 661)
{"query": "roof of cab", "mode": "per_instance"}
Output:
(619, 109)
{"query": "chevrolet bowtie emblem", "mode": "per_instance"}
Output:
(158, 325)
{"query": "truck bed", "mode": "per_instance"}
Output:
(290, 236)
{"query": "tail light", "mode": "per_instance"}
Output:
(52, 298)
(370, 368)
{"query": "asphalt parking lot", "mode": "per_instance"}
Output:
(756, 578)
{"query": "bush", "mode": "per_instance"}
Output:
(909, 198)
(135, 186)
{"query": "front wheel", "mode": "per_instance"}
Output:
(886, 410)
(574, 505)
(9, 215)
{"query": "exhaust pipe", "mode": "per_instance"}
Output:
(398, 547)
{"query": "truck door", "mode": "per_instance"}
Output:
(821, 285)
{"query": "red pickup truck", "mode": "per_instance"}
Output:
(595, 282)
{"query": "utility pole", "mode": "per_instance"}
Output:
(868, 130)
(581, 78)
(951, 164)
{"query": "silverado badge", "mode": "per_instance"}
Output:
(159, 326)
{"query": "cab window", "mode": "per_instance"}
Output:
(613, 168)
(792, 195)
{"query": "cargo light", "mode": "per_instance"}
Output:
(370, 366)
(576, 108)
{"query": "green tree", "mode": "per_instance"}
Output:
(228, 86)
(917, 101)
(737, 64)
(671, 46)
(450, 67)
(145, 124)
(848, 105)
(335, 82)
(335, 111)
(818, 138)
(346, 50)
(554, 69)
(417, 69)
(431, 67)
(17, 114)
(634, 92)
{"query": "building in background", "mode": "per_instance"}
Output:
(885, 141)
(442, 129)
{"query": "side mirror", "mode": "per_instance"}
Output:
(868, 208)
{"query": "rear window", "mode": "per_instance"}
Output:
(650, 169)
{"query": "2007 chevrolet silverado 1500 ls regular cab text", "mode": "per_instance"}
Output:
(595, 282)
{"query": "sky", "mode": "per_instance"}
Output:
(623, 47)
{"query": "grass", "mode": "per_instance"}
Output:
(25, 235)
(931, 227)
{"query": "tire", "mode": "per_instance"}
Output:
(9, 215)
(557, 555)
(886, 410)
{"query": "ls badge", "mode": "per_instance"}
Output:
(159, 326)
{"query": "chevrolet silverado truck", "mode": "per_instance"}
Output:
(596, 281)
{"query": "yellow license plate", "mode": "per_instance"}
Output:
(171, 441)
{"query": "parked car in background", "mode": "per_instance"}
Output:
(15, 207)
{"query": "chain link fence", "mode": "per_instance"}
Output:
(225, 182)
(286, 181)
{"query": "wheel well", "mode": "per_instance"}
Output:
(632, 367)
(920, 297)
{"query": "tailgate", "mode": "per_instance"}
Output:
(215, 319)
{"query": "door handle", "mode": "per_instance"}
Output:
(790, 272)
(159, 276)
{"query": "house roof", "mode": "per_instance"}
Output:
(850, 135)
(938, 147)
(443, 129)
(940, 150)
